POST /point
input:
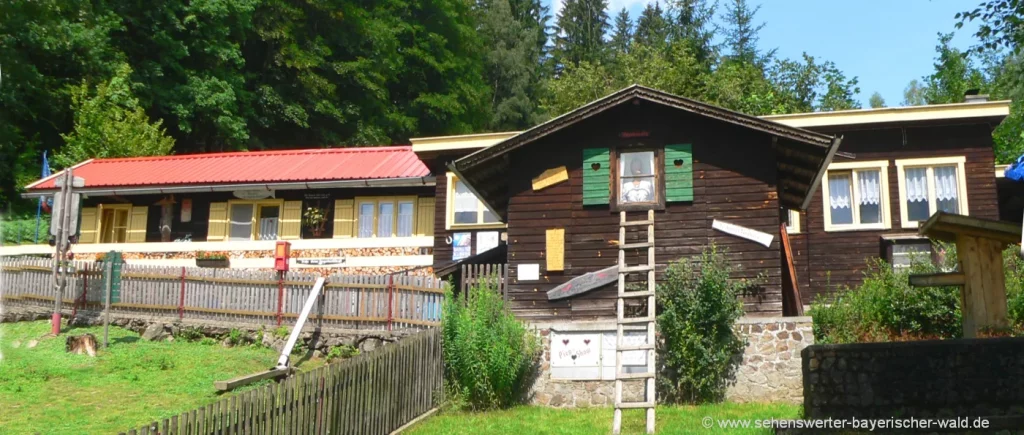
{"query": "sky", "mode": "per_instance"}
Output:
(884, 43)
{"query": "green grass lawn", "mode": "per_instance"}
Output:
(45, 390)
(538, 420)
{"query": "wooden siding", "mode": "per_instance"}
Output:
(736, 190)
(829, 261)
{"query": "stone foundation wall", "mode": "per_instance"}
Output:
(771, 370)
(968, 377)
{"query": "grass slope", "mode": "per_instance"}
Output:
(45, 390)
(539, 420)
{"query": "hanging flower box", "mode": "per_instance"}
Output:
(212, 259)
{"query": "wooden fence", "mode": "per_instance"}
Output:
(494, 274)
(373, 393)
(231, 295)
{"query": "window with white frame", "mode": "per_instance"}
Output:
(385, 216)
(856, 196)
(465, 209)
(792, 222)
(931, 185)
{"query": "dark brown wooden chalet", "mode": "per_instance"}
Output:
(704, 163)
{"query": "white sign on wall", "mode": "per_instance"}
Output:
(585, 355)
(528, 272)
(486, 240)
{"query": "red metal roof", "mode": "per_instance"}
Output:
(255, 167)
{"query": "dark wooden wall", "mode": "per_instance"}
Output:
(734, 180)
(826, 262)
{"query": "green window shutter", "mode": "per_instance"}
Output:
(679, 178)
(595, 181)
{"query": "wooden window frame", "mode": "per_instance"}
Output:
(101, 230)
(377, 201)
(449, 210)
(930, 164)
(659, 178)
(882, 166)
(254, 222)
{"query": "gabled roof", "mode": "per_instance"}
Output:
(245, 168)
(806, 153)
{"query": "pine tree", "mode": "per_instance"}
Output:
(651, 27)
(690, 23)
(511, 65)
(623, 35)
(580, 30)
(741, 32)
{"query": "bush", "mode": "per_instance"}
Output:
(488, 354)
(886, 308)
(190, 333)
(698, 306)
(23, 231)
(342, 352)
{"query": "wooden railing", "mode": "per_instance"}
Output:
(373, 393)
(233, 296)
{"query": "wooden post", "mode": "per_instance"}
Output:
(181, 300)
(391, 298)
(280, 296)
(108, 273)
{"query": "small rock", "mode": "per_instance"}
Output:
(153, 332)
(32, 343)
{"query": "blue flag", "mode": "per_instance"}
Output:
(42, 199)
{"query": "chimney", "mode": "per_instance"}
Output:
(973, 96)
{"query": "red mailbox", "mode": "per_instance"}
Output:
(282, 252)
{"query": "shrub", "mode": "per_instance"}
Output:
(1014, 271)
(342, 352)
(281, 332)
(236, 337)
(488, 354)
(885, 307)
(207, 341)
(698, 306)
(190, 333)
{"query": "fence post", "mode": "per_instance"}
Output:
(391, 298)
(280, 296)
(181, 299)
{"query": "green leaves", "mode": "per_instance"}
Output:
(110, 123)
(697, 307)
(488, 354)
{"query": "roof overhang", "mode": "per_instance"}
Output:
(802, 155)
(988, 110)
(197, 188)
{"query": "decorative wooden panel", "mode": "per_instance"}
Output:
(291, 220)
(555, 249)
(679, 172)
(218, 224)
(596, 175)
(137, 225)
(550, 177)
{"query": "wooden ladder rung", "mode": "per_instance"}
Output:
(635, 320)
(636, 294)
(636, 223)
(637, 245)
(643, 268)
(635, 347)
(634, 405)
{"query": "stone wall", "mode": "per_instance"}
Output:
(969, 377)
(769, 370)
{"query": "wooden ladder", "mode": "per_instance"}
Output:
(622, 320)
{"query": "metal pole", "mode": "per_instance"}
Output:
(280, 296)
(391, 298)
(181, 300)
(109, 274)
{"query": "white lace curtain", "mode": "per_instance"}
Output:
(917, 184)
(465, 200)
(839, 191)
(868, 187)
(945, 183)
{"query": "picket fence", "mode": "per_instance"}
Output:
(235, 296)
(373, 393)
